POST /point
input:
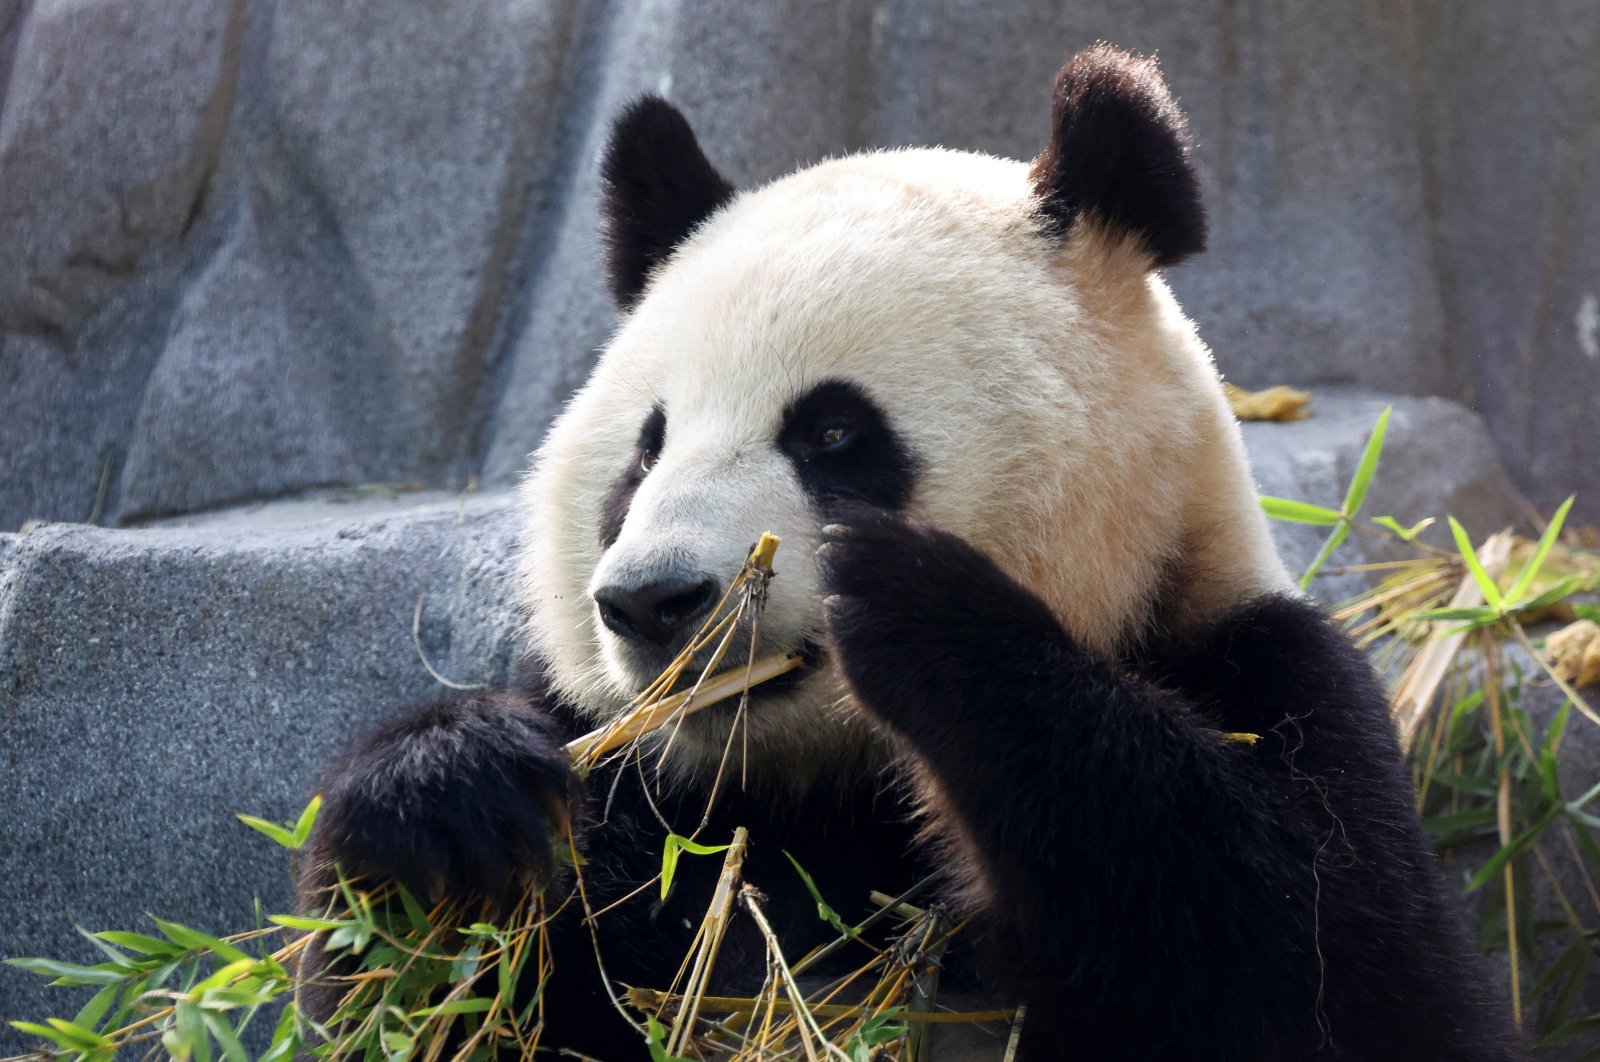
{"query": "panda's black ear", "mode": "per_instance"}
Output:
(659, 186)
(1119, 156)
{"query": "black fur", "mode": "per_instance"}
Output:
(875, 466)
(1119, 155)
(1152, 890)
(614, 507)
(419, 800)
(658, 188)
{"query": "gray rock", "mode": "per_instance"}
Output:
(255, 248)
(154, 682)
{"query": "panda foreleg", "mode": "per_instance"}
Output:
(1122, 857)
(462, 799)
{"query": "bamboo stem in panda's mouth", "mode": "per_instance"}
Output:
(654, 710)
(635, 724)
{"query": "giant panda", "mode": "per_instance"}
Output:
(1024, 558)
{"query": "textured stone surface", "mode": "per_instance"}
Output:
(155, 681)
(252, 248)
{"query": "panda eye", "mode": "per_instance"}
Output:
(832, 435)
(652, 437)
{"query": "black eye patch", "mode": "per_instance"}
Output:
(843, 449)
(614, 509)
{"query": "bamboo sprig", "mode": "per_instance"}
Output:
(655, 708)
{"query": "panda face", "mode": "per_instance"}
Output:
(899, 328)
(820, 341)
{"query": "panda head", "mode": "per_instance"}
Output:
(979, 344)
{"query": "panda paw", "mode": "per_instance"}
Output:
(917, 618)
(467, 800)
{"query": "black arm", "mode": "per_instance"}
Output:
(1149, 887)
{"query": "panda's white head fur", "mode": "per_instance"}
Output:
(989, 343)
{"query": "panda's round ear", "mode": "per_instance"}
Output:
(658, 187)
(1119, 156)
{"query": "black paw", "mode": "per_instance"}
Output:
(916, 614)
(468, 799)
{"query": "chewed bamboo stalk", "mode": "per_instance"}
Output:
(654, 709)
(642, 720)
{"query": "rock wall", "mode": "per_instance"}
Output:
(254, 246)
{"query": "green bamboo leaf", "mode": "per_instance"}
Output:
(1335, 540)
(66, 973)
(1474, 819)
(271, 829)
(97, 1006)
(1405, 534)
(1479, 613)
(285, 1044)
(456, 1006)
(1510, 851)
(397, 1046)
(1530, 570)
(1583, 801)
(414, 913)
(307, 819)
(1557, 728)
(1467, 783)
(139, 942)
(675, 846)
(1491, 592)
(44, 1032)
(226, 1038)
(195, 940)
(1568, 585)
(1297, 512)
(80, 1038)
(191, 1029)
(1367, 468)
(68, 1037)
(655, 1040)
(1571, 1031)
(824, 912)
(117, 958)
(309, 925)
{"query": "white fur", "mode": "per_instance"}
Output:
(1066, 418)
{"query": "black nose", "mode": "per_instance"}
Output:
(656, 611)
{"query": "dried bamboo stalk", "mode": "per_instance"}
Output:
(1417, 686)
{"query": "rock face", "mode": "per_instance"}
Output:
(155, 681)
(255, 248)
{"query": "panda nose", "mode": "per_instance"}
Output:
(657, 611)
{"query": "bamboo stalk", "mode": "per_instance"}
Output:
(598, 742)
(666, 1003)
(709, 941)
(1421, 679)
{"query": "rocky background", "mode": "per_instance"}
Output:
(292, 249)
